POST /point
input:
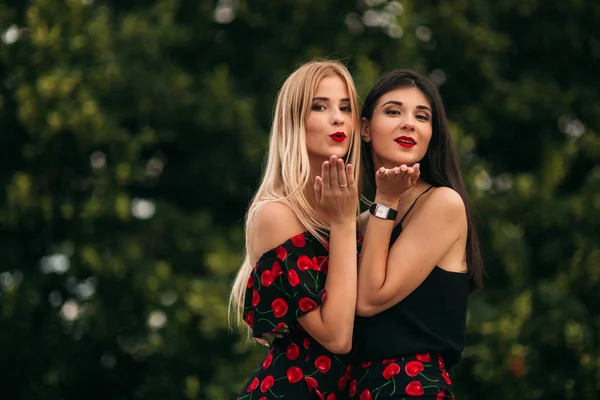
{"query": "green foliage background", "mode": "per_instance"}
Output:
(132, 137)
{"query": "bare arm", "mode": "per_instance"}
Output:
(387, 278)
(331, 324)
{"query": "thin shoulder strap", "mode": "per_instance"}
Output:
(413, 204)
(398, 228)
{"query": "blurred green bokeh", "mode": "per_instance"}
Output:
(133, 134)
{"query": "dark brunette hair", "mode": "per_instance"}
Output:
(439, 166)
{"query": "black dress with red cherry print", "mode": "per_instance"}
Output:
(405, 351)
(286, 283)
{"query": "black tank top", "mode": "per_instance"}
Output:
(430, 319)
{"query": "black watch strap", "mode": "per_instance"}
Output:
(383, 212)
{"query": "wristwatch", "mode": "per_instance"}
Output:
(383, 212)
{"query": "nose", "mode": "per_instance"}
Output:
(408, 124)
(337, 119)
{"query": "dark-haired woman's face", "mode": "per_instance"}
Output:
(400, 128)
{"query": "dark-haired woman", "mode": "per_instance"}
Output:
(420, 258)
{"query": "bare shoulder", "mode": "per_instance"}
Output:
(273, 224)
(445, 203)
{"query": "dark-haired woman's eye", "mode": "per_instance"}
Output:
(392, 112)
(423, 117)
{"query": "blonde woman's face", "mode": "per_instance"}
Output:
(329, 123)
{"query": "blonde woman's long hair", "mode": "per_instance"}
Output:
(286, 176)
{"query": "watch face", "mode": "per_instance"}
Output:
(381, 211)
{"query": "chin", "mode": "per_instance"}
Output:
(337, 151)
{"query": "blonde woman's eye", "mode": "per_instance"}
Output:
(318, 107)
(346, 109)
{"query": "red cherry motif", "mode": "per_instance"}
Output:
(323, 263)
(255, 298)
(304, 263)
(280, 327)
(249, 318)
(263, 398)
(331, 396)
(292, 352)
(276, 269)
(348, 372)
(389, 360)
(413, 368)
(311, 383)
(316, 266)
(424, 357)
(366, 395)
(342, 382)
(323, 363)
(250, 282)
(306, 343)
(414, 389)
(268, 360)
(253, 385)
(390, 371)
(293, 278)
(440, 362)
(299, 240)
(366, 364)
(267, 383)
(440, 395)
(352, 390)
(307, 304)
(281, 253)
(279, 307)
(446, 377)
(294, 374)
(319, 395)
(267, 277)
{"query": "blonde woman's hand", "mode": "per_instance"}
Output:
(393, 183)
(336, 192)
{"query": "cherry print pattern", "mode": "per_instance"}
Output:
(422, 376)
(286, 283)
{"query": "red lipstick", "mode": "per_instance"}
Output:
(405, 141)
(338, 137)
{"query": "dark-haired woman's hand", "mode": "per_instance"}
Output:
(393, 184)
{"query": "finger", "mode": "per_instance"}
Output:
(342, 174)
(390, 173)
(333, 173)
(263, 342)
(350, 176)
(417, 173)
(380, 173)
(318, 188)
(325, 175)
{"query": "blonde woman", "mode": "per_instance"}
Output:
(298, 283)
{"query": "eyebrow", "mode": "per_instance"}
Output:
(327, 99)
(399, 103)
